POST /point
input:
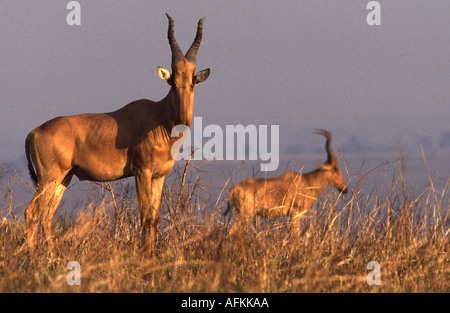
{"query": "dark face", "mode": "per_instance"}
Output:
(338, 180)
(183, 75)
(341, 185)
(334, 176)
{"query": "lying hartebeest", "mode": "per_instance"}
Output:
(290, 194)
(132, 141)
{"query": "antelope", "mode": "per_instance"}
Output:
(132, 141)
(290, 194)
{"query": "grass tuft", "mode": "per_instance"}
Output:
(406, 233)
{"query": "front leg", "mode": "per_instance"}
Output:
(149, 198)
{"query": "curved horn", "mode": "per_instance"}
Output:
(191, 55)
(327, 134)
(177, 54)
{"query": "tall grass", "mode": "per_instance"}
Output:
(406, 233)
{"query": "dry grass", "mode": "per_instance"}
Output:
(407, 234)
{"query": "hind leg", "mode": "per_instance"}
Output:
(32, 220)
(47, 216)
(41, 209)
(35, 211)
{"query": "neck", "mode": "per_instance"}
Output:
(318, 180)
(177, 108)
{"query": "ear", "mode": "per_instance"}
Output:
(163, 73)
(201, 76)
(325, 167)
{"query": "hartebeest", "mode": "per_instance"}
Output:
(290, 194)
(132, 141)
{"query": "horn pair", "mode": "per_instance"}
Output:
(177, 54)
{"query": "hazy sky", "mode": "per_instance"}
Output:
(298, 64)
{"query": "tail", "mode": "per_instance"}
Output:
(30, 164)
(230, 200)
(227, 211)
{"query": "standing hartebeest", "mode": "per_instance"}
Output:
(290, 194)
(132, 141)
